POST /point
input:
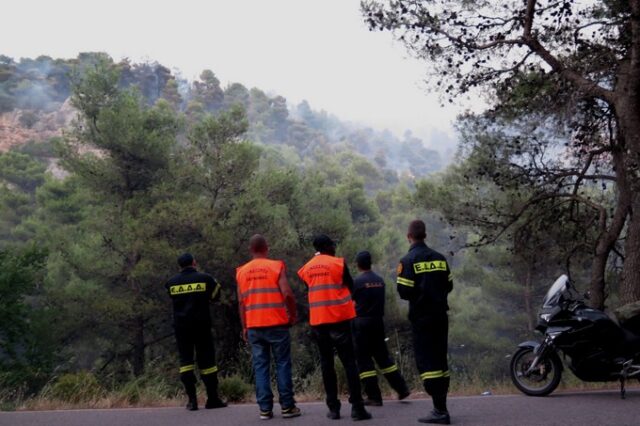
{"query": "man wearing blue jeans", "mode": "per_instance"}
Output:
(267, 310)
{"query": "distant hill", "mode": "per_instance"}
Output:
(34, 107)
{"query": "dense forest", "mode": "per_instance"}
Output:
(118, 167)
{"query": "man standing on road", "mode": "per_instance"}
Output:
(368, 333)
(330, 313)
(267, 310)
(191, 292)
(424, 279)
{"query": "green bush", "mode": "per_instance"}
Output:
(234, 389)
(147, 388)
(75, 387)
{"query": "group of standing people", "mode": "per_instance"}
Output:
(345, 315)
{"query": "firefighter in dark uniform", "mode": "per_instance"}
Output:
(368, 333)
(191, 292)
(424, 279)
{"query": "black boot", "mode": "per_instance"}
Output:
(358, 412)
(189, 381)
(372, 390)
(213, 400)
(396, 381)
(192, 405)
(436, 417)
(334, 411)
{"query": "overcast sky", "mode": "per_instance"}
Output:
(319, 50)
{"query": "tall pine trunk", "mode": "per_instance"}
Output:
(609, 232)
(629, 121)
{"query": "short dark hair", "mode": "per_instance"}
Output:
(185, 260)
(417, 230)
(258, 244)
(323, 243)
(363, 260)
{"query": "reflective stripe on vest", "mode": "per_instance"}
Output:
(329, 299)
(260, 294)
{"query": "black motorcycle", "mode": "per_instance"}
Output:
(594, 346)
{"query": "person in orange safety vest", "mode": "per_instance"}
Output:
(267, 310)
(330, 313)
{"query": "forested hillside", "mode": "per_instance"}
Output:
(141, 166)
(34, 105)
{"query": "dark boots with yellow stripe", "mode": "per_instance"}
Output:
(436, 384)
(372, 390)
(188, 379)
(211, 383)
(397, 383)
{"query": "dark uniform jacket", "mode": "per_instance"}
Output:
(424, 279)
(191, 291)
(368, 294)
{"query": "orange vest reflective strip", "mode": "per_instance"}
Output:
(260, 294)
(329, 299)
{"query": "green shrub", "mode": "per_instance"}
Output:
(234, 389)
(147, 388)
(75, 387)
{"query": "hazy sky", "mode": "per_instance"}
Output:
(319, 50)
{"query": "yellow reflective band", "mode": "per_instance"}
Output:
(366, 374)
(446, 374)
(404, 281)
(389, 369)
(450, 278)
(433, 374)
(187, 288)
(186, 368)
(433, 266)
(211, 370)
(215, 292)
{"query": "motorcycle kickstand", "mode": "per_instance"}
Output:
(623, 377)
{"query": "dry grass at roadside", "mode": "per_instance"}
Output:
(116, 400)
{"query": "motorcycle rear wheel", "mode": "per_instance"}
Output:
(543, 380)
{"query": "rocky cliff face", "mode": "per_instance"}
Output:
(21, 126)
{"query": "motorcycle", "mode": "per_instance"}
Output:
(594, 347)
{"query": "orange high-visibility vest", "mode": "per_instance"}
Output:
(329, 299)
(260, 294)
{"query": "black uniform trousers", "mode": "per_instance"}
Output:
(369, 338)
(430, 341)
(190, 337)
(337, 336)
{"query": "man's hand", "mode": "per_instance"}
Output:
(245, 335)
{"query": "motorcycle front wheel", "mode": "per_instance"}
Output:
(543, 380)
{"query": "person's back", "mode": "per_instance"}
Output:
(428, 273)
(260, 293)
(369, 295)
(191, 292)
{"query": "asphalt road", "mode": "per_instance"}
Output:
(562, 409)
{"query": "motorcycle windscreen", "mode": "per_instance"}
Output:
(554, 294)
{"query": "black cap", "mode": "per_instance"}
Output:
(185, 259)
(363, 259)
(322, 243)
